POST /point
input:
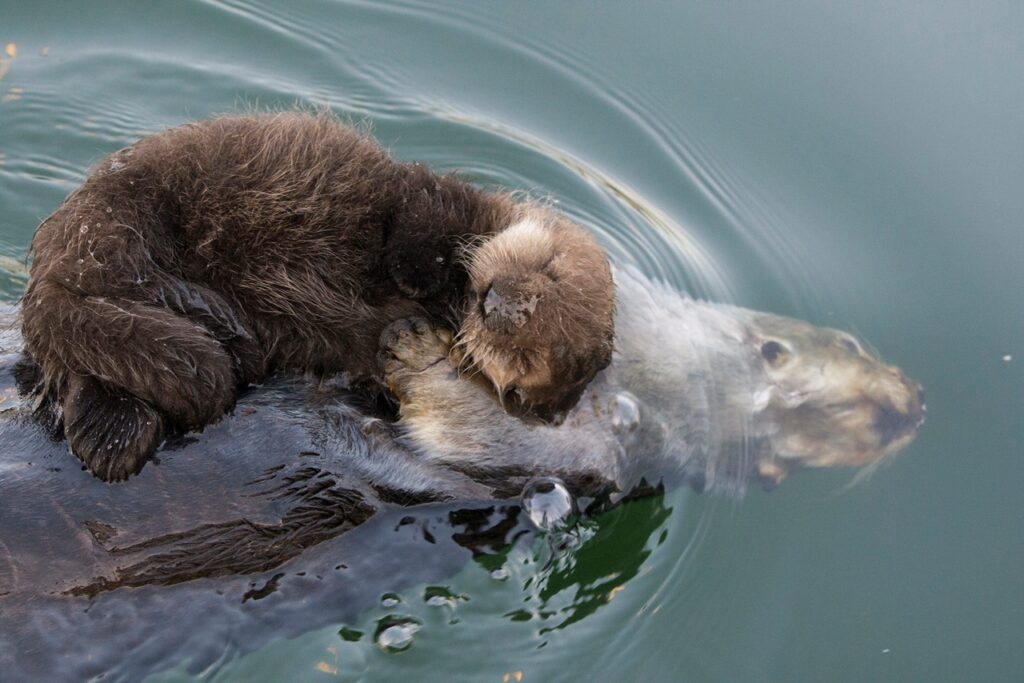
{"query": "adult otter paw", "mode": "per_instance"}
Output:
(410, 346)
(112, 432)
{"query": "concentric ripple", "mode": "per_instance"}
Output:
(452, 88)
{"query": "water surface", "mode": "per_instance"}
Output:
(858, 165)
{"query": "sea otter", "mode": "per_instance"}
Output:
(203, 258)
(243, 529)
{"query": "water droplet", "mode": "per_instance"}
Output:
(625, 411)
(441, 596)
(1007, 358)
(81, 260)
(547, 503)
(500, 574)
(395, 633)
(84, 229)
(110, 210)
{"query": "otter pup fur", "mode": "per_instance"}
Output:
(200, 259)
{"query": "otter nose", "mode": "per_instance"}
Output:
(891, 424)
(492, 302)
(503, 308)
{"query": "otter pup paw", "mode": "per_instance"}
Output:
(112, 432)
(410, 346)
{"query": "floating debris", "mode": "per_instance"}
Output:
(11, 50)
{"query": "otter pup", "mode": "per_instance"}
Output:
(201, 259)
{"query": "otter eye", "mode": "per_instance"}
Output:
(772, 350)
(850, 345)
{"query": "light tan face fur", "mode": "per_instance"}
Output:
(827, 402)
(541, 310)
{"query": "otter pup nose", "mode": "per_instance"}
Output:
(506, 308)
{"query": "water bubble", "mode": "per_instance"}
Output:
(625, 411)
(439, 601)
(84, 229)
(395, 633)
(440, 596)
(547, 503)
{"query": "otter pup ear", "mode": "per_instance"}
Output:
(419, 267)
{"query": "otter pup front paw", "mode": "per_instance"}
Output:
(112, 432)
(410, 346)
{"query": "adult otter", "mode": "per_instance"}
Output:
(202, 258)
(697, 393)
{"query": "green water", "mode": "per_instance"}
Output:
(859, 165)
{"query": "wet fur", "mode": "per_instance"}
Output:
(201, 259)
(690, 396)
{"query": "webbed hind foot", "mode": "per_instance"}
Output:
(112, 432)
(407, 348)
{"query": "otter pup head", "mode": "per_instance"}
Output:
(827, 402)
(540, 316)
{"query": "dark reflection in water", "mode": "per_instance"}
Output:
(594, 569)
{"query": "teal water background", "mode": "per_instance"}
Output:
(859, 165)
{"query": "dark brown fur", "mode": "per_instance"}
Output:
(202, 258)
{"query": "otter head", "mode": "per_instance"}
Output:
(824, 401)
(540, 320)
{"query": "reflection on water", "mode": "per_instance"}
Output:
(856, 165)
(579, 579)
(631, 238)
